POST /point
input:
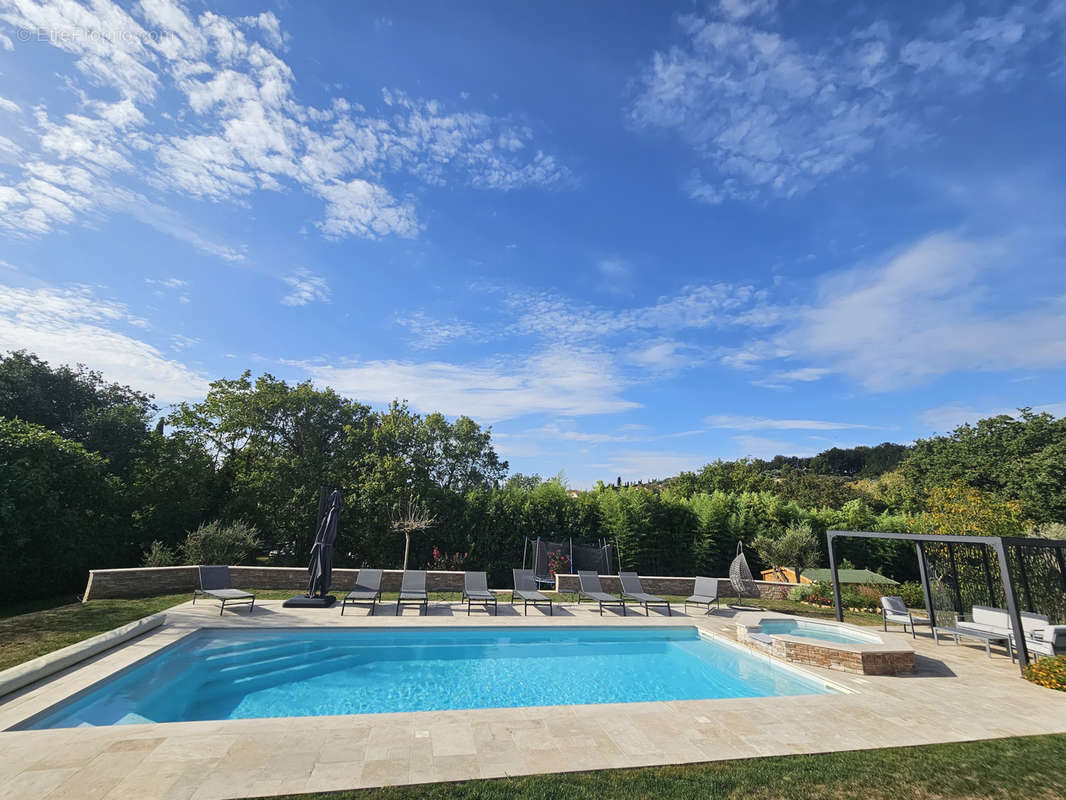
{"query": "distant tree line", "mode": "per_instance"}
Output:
(91, 476)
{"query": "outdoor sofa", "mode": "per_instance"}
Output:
(215, 582)
(704, 592)
(367, 589)
(1041, 638)
(632, 590)
(591, 589)
(413, 591)
(476, 590)
(525, 586)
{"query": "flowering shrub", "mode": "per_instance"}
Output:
(558, 563)
(451, 562)
(1049, 672)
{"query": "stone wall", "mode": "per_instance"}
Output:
(148, 581)
(654, 584)
(858, 660)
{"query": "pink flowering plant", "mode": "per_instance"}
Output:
(558, 563)
(451, 562)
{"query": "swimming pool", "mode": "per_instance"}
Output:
(815, 630)
(234, 674)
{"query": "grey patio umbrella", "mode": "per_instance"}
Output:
(321, 567)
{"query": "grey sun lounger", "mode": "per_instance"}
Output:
(413, 590)
(704, 592)
(367, 589)
(525, 586)
(215, 582)
(591, 589)
(476, 590)
(632, 590)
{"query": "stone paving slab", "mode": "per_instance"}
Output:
(957, 694)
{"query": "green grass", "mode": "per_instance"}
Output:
(28, 635)
(1030, 767)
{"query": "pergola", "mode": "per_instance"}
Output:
(998, 545)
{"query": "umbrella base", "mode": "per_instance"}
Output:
(302, 601)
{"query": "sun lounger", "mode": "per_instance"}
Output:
(704, 592)
(413, 590)
(216, 582)
(591, 589)
(476, 590)
(893, 609)
(525, 586)
(632, 590)
(367, 589)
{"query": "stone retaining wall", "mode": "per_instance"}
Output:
(148, 581)
(655, 584)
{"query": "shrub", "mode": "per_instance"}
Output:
(1049, 672)
(854, 597)
(912, 594)
(801, 592)
(220, 543)
(451, 562)
(820, 592)
(159, 555)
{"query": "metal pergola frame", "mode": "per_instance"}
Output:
(999, 545)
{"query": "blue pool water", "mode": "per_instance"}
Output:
(814, 630)
(231, 674)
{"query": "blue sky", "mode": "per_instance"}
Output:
(631, 237)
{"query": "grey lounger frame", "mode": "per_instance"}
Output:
(367, 589)
(525, 586)
(476, 590)
(589, 582)
(413, 591)
(215, 582)
(632, 590)
(704, 592)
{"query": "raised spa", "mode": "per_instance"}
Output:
(832, 645)
(232, 674)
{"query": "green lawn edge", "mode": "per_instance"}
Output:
(1024, 766)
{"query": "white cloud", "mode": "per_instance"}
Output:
(69, 326)
(240, 130)
(9, 105)
(306, 288)
(663, 355)
(947, 417)
(429, 333)
(743, 423)
(926, 312)
(774, 115)
(555, 381)
(766, 449)
(637, 465)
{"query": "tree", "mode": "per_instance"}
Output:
(410, 519)
(61, 513)
(276, 445)
(797, 548)
(78, 404)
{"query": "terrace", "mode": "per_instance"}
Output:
(955, 694)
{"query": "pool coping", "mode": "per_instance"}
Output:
(80, 654)
(957, 695)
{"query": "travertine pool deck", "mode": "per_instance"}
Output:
(956, 694)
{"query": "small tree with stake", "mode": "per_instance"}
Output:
(413, 517)
(797, 547)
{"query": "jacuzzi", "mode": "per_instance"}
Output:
(818, 643)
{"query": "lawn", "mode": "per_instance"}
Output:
(1030, 767)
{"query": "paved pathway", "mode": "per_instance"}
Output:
(957, 694)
